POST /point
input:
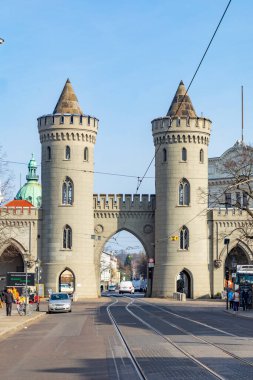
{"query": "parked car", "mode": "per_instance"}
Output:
(126, 287)
(112, 288)
(59, 302)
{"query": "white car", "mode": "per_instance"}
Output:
(66, 288)
(126, 287)
(59, 302)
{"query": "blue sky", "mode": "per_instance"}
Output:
(125, 60)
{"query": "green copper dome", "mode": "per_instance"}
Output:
(31, 191)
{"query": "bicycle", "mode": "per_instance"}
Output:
(24, 309)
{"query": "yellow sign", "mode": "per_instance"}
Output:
(174, 238)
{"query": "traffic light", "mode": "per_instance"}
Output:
(227, 273)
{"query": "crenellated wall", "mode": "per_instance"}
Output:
(127, 202)
(21, 227)
(226, 223)
(114, 213)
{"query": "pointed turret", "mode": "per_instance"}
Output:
(68, 102)
(181, 110)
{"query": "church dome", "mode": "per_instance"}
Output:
(31, 191)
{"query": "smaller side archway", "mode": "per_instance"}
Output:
(67, 281)
(184, 283)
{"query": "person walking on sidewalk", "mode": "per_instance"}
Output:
(8, 299)
(236, 300)
(231, 298)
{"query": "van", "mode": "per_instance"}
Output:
(126, 287)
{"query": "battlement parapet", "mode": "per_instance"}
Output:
(225, 214)
(67, 121)
(20, 212)
(127, 202)
(169, 124)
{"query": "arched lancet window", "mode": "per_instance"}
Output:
(184, 154)
(88, 120)
(67, 153)
(86, 154)
(184, 238)
(67, 192)
(67, 237)
(184, 192)
(201, 156)
(62, 120)
(71, 119)
(48, 153)
(164, 155)
(81, 119)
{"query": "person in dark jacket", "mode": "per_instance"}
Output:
(8, 299)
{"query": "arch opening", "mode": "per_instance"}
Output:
(67, 281)
(11, 260)
(236, 256)
(184, 283)
(123, 258)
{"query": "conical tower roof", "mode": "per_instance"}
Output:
(181, 110)
(68, 102)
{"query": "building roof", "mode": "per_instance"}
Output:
(68, 102)
(31, 191)
(181, 105)
(18, 203)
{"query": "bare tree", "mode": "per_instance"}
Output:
(237, 188)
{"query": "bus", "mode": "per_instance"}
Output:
(244, 275)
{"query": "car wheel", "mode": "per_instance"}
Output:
(49, 312)
(70, 311)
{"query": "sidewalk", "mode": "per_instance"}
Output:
(9, 325)
(240, 313)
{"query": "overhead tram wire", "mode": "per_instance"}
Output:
(194, 75)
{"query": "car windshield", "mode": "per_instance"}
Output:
(55, 297)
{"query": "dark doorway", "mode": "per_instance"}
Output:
(184, 283)
(235, 257)
(10, 261)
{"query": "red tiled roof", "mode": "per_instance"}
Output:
(18, 203)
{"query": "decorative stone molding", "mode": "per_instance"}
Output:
(217, 263)
(99, 229)
(147, 229)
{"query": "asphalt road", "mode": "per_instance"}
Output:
(84, 345)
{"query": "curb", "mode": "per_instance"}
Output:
(14, 329)
(236, 314)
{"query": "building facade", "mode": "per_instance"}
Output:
(177, 226)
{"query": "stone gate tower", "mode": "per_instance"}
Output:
(181, 141)
(67, 139)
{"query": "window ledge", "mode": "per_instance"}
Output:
(66, 159)
(62, 205)
(183, 205)
(66, 250)
(183, 250)
(183, 162)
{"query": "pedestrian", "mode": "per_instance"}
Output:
(244, 300)
(231, 298)
(8, 299)
(37, 301)
(236, 300)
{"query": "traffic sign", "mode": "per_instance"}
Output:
(174, 238)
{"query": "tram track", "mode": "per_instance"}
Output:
(231, 354)
(140, 370)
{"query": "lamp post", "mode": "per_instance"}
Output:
(226, 242)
